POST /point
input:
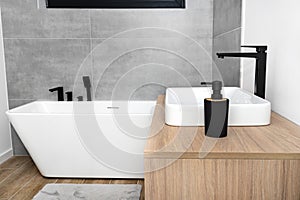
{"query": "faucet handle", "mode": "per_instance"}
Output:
(259, 48)
(69, 96)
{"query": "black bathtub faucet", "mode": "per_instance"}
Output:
(69, 96)
(80, 98)
(88, 86)
(261, 66)
(60, 92)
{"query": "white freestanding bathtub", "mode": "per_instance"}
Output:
(99, 139)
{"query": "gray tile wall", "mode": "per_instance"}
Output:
(227, 38)
(50, 47)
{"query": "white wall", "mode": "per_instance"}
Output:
(276, 23)
(5, 138)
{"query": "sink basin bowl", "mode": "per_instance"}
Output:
(185, 107)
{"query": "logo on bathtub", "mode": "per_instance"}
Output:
(128, 72)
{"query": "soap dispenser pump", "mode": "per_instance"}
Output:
(216, 113)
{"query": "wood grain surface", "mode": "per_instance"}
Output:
(20, 180)
(280, 140)
(223, 179)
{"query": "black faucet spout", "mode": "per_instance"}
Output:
(237, 55)
(60, 92)
(260, 70)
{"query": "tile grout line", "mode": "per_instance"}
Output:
(90, 25)
(49, 38)
(23, 186)
(21, 99)
(15, 171)
(91, 50)
(100, 38)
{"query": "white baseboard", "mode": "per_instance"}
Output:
(6, 155)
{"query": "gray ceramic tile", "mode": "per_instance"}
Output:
(227, 15)
(34, 66)
(198, 4)
(148, 92)
(194, 23)
(18, 4)
(133, 63)
(41, 4)
(13, 103)
(22, 19)
(73, 80)
(228, 68)
(18, 146)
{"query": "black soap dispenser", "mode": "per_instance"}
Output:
(216, 113)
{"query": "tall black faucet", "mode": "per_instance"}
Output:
(60, 93)
(260, 70)
(87, 85)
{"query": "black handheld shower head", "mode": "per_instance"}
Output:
(87, 85)
(86, 81)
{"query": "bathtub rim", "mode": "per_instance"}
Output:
(18, 110)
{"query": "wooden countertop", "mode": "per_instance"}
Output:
(280, 140)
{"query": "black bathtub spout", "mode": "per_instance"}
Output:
(60, 93)
(88, 86)
(261, 66)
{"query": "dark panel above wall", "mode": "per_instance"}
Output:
(115, 3)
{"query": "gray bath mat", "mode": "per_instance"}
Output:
(89, 192)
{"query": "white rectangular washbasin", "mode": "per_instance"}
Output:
(185, 107)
